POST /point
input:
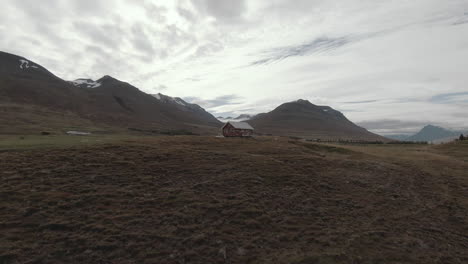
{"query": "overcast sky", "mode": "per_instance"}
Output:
(390, 65)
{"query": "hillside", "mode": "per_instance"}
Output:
(304, 119)
(433, 133)
(33, 99)
(188, 108)
(237, 201)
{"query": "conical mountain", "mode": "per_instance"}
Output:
(303, 119)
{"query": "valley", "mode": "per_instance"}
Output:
(33, 100)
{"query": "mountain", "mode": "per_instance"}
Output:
(188, 108)
(304, 119)
(240, 118)
(243, 117)
(433, 133)
(20, 67)
(32, 99)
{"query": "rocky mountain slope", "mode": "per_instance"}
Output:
(304, 119)
(33, 98)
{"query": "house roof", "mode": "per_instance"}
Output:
(240, 125)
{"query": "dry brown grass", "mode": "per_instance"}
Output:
(216, 200)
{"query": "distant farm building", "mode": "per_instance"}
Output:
(237, 129)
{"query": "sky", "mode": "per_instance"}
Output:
(391, 66)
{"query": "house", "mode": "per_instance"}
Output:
(237, 129)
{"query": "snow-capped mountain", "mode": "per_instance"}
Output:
(184, 106)
(22, 67)
(41, 100)
(168, 99)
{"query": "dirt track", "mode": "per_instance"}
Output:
(207, 200)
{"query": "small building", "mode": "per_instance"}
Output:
(237, 129)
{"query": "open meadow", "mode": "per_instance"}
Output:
(194, 199)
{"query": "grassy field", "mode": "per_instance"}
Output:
(193, 199)
(25, 142)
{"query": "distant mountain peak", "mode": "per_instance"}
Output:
(14, 64)
(244, 117)
(431, 133)
(303, 101)
(107, 78)
(432, 127)
(304, 119)
(240, 118)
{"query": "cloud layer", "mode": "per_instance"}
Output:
(392, 66)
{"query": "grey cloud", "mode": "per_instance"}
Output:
(55, 11)
(29, 40)
(462, 20)
(319, 45)
(142, 42)
(187, 14)
(450, 98)
(361, 102)
(234, 114)
(89, 7)
(345, 110)
(150, 75)
(208, 49)
(173, 35)
(156, 13)
(222, 10)
(161, 87)
(224, 100)
(193, 79)
(44, 18)
(109, 35)
(406, 100)
(44, 12)
(97, 50)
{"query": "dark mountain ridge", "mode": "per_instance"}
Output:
(304, 119)
(26, 87)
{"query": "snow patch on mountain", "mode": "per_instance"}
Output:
(86, 83)
(179, 101)
(166, 98)
(24, 64)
